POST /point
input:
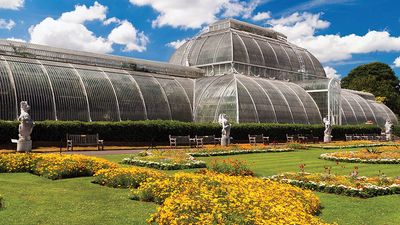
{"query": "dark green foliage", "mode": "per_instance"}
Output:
(144, 131)
(396, 130)
(378, 79)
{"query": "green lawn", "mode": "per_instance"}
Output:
(341, 209)
(31, 199)
(34, 200)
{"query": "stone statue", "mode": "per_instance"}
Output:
(226, 129)
(328, 129)
(388, 129)
(25, 128)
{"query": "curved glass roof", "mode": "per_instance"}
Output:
(234, 44)
(250, 99)
(64, 91)
(358, 110)
(34, 51)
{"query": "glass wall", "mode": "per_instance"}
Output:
(63, 91)
(249, 99)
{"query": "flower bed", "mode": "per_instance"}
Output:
(358, 186)
(237, 152)
(211, 198)
(191, 164)
(125, 177)
(53, 166)
(230, 167)
(353, 144)
(381, 155)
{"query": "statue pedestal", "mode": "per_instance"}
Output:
(327, 138)
(24, 146)
(225, 141)
(388, 137)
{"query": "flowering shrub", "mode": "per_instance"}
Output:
(231, 167)
(220, 199)
(164, 160)
(211, 150)
(352, 185)
(14, 163)
(125, 177)
(354, 144)
(53, 166)
(384, 155)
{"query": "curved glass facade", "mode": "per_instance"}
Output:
(250, 99)
(231, 47)
(358, 110)
(235, 59)
(63, 91)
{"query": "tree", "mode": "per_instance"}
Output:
(377, 78)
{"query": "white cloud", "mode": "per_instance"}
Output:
(63, 34)
(4, 24)
(16, 39)
(298, 26)
(176, 44)
(126, 34)
(261, 16)
(331, 72)
(69, 31)
(397, 62)
(301, 30)
(308, 5)
(82, 14)
(111, 20)
(194, 13)
(11, 4)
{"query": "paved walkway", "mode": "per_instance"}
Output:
(105, 152)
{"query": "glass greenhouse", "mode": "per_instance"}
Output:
(250, 73)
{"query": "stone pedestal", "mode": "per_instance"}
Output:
(24, 146)
(388, 137)
(327, 138)
(225, 141)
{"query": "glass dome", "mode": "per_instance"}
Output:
(248, 49)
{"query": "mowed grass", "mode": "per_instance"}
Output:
(381, 210)
(31, 199)
(34, 200)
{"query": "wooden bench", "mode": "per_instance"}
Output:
(258, 138)
(369, 137)
(181, 140)
(84, 140)
(209, 139)
(290, 138)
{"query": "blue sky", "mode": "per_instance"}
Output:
(340, 33)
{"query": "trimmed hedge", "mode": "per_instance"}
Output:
(396, 130)
(144, 131)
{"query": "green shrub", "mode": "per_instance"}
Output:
(231, 167)
(2, 204)
(396, 130)
(158, 130)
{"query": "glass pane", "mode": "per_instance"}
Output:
(102, 103)
(33, 85)
(130, 102)
(156, 102)
(8, 109)
(70, 98)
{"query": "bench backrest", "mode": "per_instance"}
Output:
(258, 137)
(83, 138)
(209, 139)
(181, 139)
